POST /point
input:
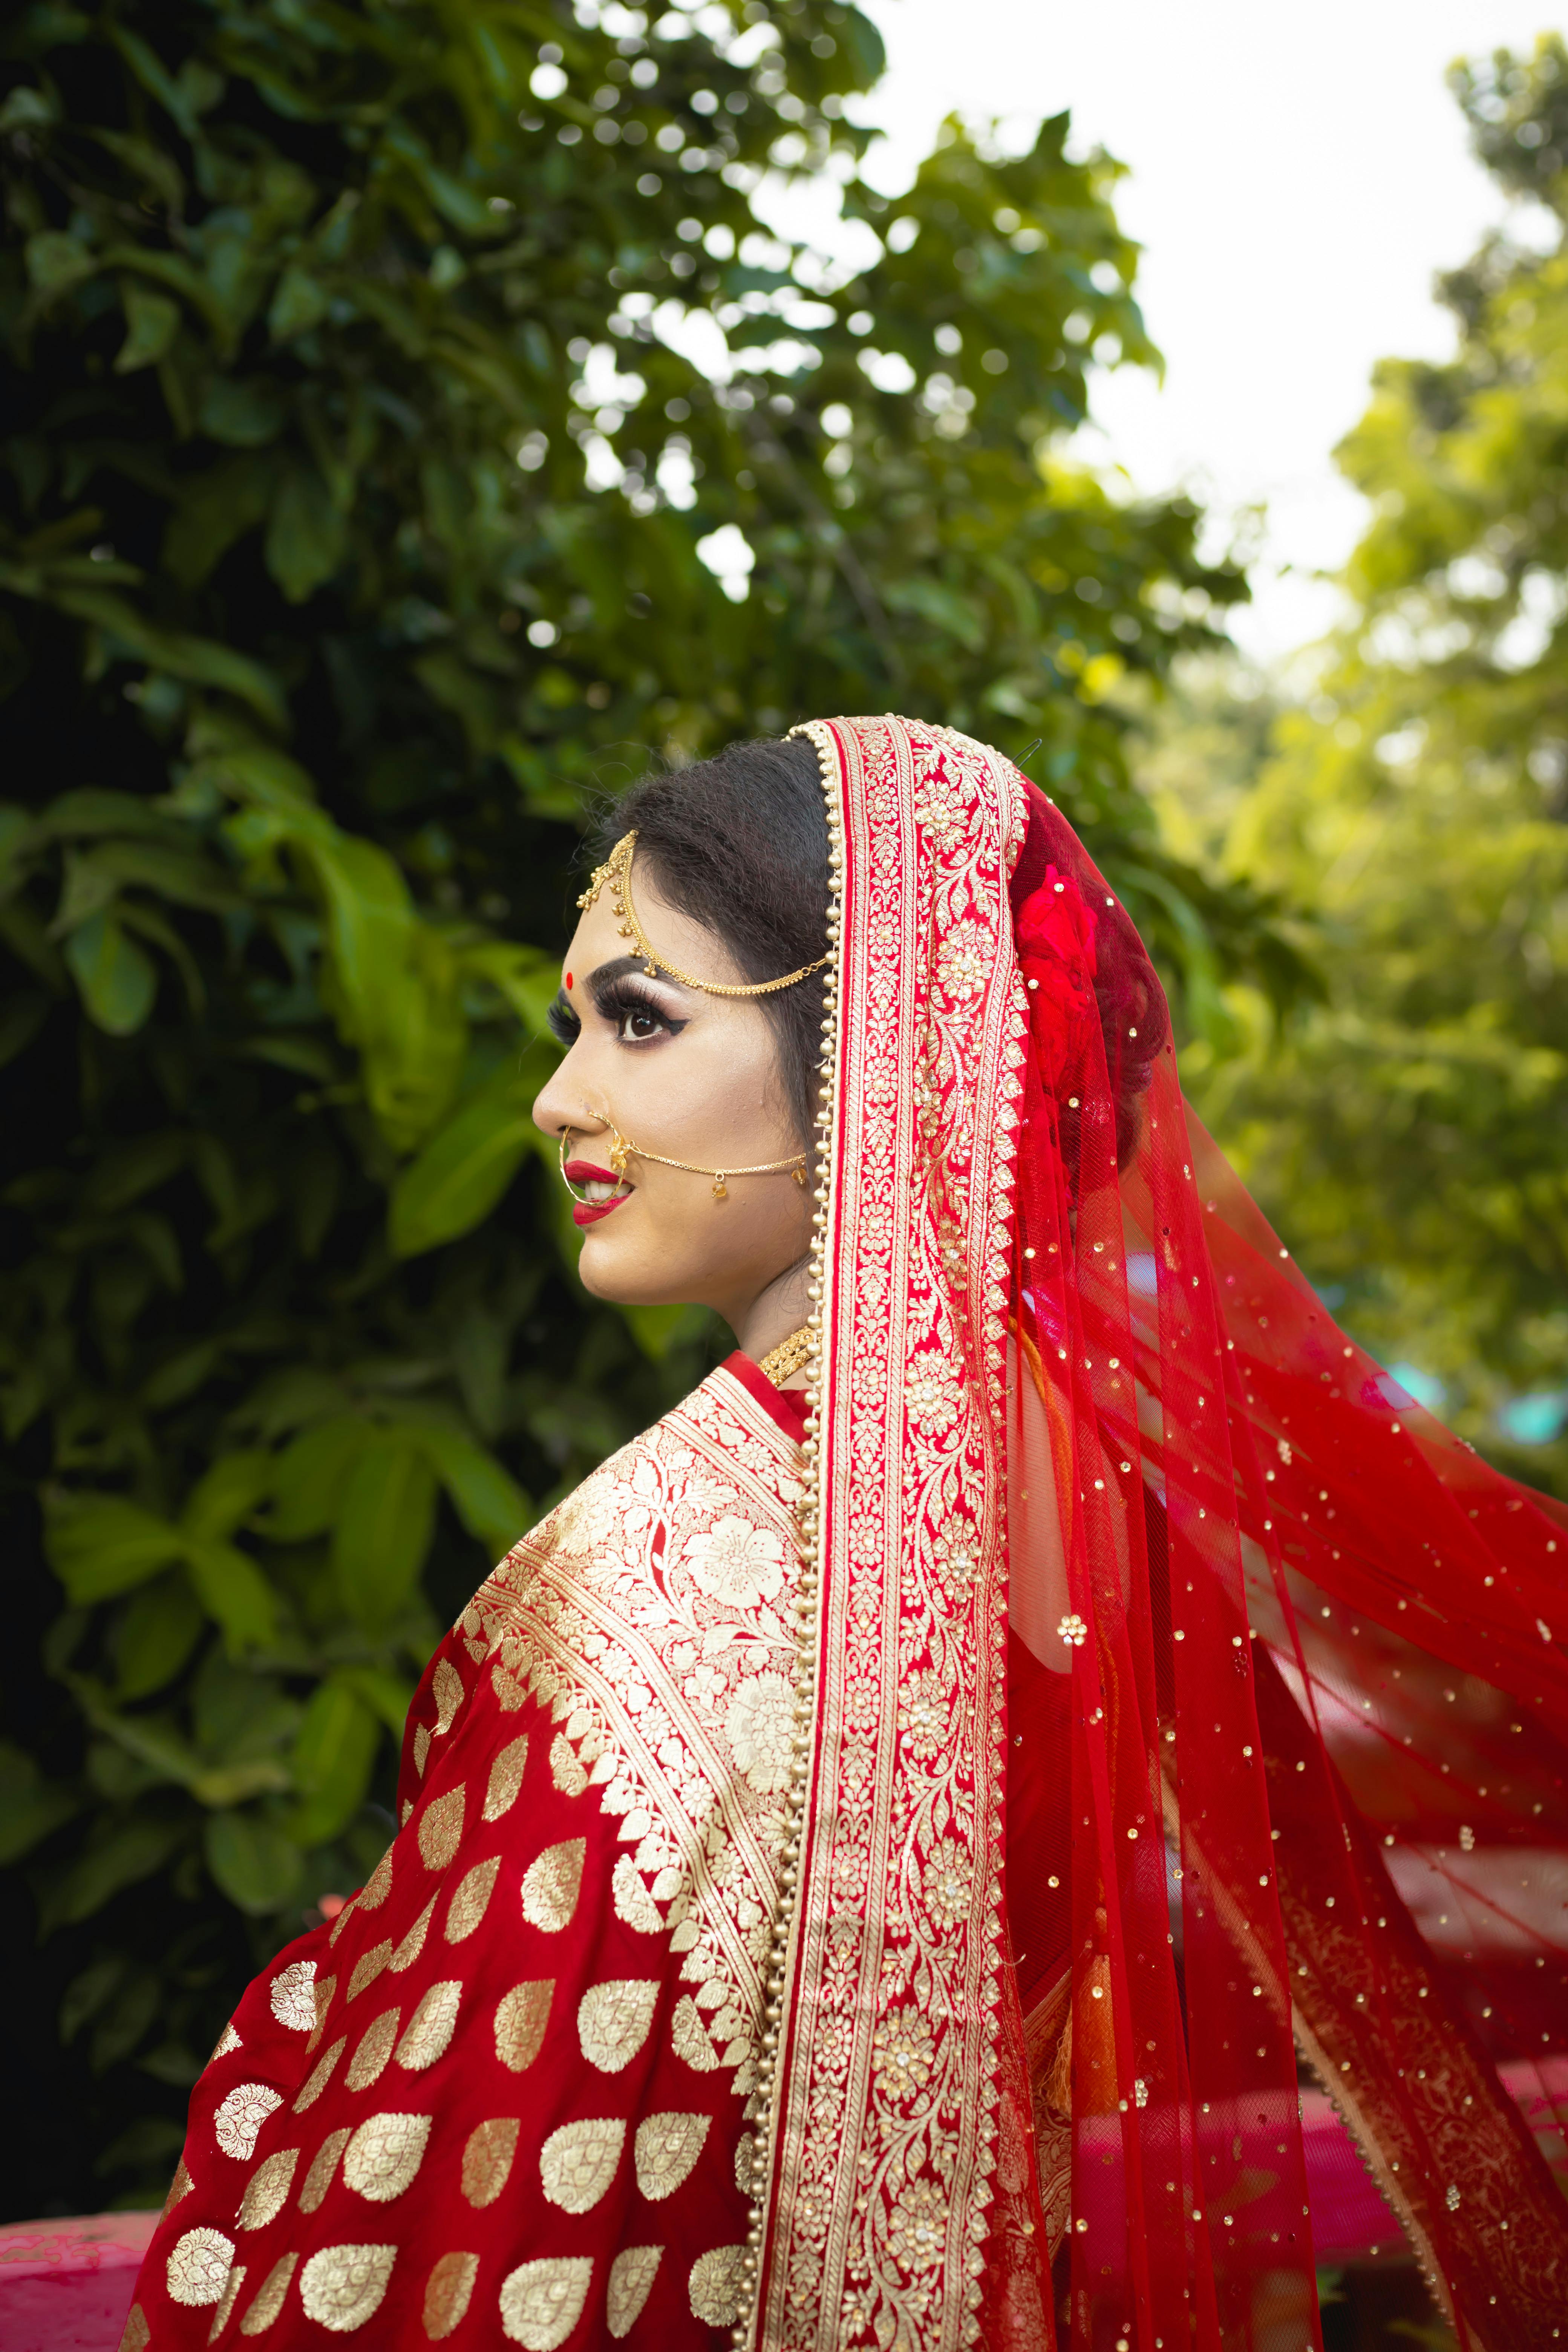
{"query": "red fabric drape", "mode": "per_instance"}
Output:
(1309, 1707)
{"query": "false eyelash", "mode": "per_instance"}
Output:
(562, 1021)
(628, 995)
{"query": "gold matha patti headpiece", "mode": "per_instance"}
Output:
(616, 871)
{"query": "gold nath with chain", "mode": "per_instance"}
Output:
(621, 1149)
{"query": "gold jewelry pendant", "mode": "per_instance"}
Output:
(721, 1189)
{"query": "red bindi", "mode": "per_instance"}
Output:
(568, 980)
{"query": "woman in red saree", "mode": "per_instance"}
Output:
(874, 1862)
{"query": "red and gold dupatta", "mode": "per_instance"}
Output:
(1159, 1660)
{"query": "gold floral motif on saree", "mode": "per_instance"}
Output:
(521, 2016)
(540, 2303)
(876, 2174)
(342, 2286)
(447, 2292)
(323, 2166)
(385, 2156)
(269, 2299)
(488, 2158)
(431, 2027)
(651, 1613)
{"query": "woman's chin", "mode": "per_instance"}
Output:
(610, 1270)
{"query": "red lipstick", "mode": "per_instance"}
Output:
(584, 1171)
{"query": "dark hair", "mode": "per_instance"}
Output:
(740, 843)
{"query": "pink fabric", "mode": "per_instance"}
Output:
(65, 2286)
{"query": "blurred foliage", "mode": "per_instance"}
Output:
(363, 507)
(1412, 1136)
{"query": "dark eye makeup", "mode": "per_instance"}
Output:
(631, 1008)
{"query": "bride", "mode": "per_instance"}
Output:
(874, 1862)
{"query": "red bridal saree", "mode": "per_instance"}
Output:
(881, 1884)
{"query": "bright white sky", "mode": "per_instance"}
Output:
(1297, 175)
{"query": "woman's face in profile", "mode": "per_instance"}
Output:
(687, 1074)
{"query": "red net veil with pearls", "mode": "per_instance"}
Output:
(1183, 1711)
(1311, 1704)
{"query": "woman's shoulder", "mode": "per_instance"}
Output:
(734, 1424)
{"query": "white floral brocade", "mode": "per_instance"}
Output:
(651, 1612)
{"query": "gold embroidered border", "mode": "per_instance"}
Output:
(557, 1609)
(878, 2167)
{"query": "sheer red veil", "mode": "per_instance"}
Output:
(1182, 1712)
(1310, 1704)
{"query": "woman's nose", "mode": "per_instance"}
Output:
(559, 1104)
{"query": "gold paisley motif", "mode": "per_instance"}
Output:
(506, 1779)
(136, 2335)
(748, 2165)
(446, 1688)
(413, 1944)
(430, 2028)
(668, 2146)
(447, 2293)
(577, 2163)
(294, 1996)
(564, 1769)
(521, 2016)
(688, 2036)
(510, 1693)
(468, 1904)
(633, 1903)
(717, 2284)
(367, 1967)
(323, 2164)
(227, 2301)
(441, 1828)
(267, 2190)
(375, 2050)
(316, 2080)
(180, 2185)
(487, 2159)
(551, 1886)
(227, 2040)
(321, 1993)
(614, 2019)
(377, 1886)
(241, 2116)
(342, 2286)
(540, 2303)
(632, 2276)
(421, 1747)
(197, 2267)
(270, 2297)
(385, 2155)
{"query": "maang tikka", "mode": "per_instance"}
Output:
(617, 870)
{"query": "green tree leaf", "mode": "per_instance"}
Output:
(333, 1756)
(234, 1593)
(466, 1168)
(118, 980)
(30, 1806)
(155, 1636)
(151, 322)
(306, 534)
(384, 1526)
(100, 1548)
(260, 1869)
(310, 1475)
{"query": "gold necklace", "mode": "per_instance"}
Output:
(788, 1356)
(622, 1150)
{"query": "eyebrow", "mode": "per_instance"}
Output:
(605, 976)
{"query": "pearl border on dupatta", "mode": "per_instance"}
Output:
(775, 1971)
